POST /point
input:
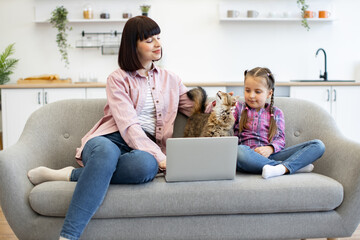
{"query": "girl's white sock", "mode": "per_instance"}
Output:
(62, 238)
(42, 174)
(306, 169)
(269, 171)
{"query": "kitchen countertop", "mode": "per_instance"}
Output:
(193, 84)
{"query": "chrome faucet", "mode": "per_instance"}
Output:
(325, 75)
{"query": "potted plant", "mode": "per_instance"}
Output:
(7, 64)
(145, 9)
(59, 21)
(303, 6)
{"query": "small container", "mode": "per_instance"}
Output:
(126, 15)
(93, 77)
(105, 15)
(110, 49)
(88, 42)
(83, 77)
(88, 12)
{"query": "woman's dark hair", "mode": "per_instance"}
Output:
(266, 74)
(136, 28)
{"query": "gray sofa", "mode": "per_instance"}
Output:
(324, 203)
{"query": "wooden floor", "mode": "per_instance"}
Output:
(7, 234)
(5, 231)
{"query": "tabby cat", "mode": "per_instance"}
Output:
(218, 123)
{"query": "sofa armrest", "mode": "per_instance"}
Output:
(341, 162)
(50, 138)
(15, 187)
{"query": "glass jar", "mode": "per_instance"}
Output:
(88, 12)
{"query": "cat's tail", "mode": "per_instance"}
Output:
(199, 96)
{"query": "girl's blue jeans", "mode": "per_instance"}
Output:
(293, 158)
(107, 159)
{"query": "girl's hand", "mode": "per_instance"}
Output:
(162, 165)
(266, 151)
(213, 104)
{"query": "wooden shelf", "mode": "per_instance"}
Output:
(275, 20)
(114, 20)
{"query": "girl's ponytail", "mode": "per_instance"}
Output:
(273, 126)
(243, 117)
(271, 85)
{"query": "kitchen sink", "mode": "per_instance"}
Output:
(322, 80)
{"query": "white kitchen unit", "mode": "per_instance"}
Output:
(18, 104)
(19, 101)
(340, 101)
(92, 93)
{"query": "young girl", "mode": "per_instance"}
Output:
(260, 128)
(127, 145)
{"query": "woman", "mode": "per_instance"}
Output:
(127, 146)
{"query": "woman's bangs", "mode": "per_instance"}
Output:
(148, 30)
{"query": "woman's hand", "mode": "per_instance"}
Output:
(266, 151)
(162, 165)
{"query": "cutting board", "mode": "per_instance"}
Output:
(42, 81)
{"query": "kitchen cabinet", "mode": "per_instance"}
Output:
(20, 101)
(19, 104)
(339, 101)
(92, 93)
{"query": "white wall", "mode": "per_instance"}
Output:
(197, 46)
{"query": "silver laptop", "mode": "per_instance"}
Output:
(201, 159)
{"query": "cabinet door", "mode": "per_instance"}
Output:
(17, 106)
(57, 94)
(345, 100)
(320, 95)
(95, 93)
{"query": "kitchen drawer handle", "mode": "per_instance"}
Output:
(46, 98)
(39, 100)
(334, 91)
(328, 95)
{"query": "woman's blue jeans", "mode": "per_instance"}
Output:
(293, 158)
(107, 159)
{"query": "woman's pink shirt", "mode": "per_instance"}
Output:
(126, 95)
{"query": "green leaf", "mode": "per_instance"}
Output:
(8, 51)
(7, 64)
(303, 6)
(59, 21)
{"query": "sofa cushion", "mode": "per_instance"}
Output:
(247, 194)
